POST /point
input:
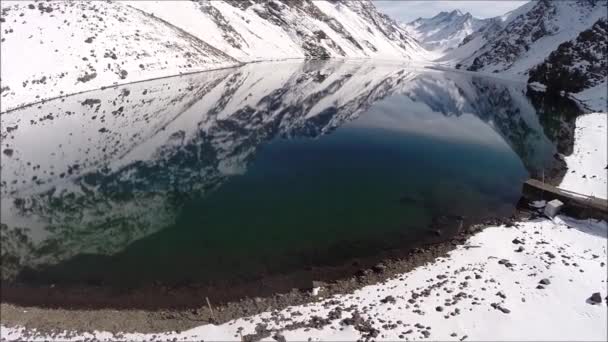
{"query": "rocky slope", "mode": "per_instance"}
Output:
(577, 64)
(532, 33)
(56, 48)
(253, 30)
(446, 30)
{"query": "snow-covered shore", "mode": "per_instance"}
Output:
(537, 280)
(485, 290)
(587, 165)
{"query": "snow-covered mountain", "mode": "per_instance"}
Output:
(252, 30)
(55, 48)
(446, 30)
(478, 38)
(576, 64)
(530, 34)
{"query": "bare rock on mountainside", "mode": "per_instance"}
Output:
(80, 46)
(75, 46)
(291, 29)
(533, 32)
(577, 64)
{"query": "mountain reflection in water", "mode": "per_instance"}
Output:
(260, 169)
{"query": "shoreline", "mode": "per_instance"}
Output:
(47, 318)
(488, 255)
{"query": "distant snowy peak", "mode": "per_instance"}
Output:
(441, 17)
(446, 30)
(253, 30)
(531, 33)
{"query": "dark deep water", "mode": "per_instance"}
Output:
(266, 169)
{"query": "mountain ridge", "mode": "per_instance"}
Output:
(527, 39)
(79, 46)
(52, 49)
(444, 31)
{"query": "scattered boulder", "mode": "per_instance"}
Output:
(500, 308)
(595, 298)
(279, 337)
(544, 281)
(388, 299)
(505, 262)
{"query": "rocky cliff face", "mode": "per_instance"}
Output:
(531, 36)
(252, 30)
(577, 64)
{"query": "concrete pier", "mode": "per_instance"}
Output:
(577, 205)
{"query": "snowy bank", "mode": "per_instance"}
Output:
(516, 283)
(595, 98)
(587, 165)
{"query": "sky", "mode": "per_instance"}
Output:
(406, 10)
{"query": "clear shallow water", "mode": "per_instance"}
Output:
(260, 170)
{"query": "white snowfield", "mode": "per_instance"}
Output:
(589, 161)
(51, 49)
(595, 98)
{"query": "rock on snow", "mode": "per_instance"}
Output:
(57, 48)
